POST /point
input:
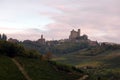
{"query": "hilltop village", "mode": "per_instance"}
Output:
(74, 42)
(75, 36)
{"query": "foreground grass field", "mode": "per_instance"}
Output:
(35, 68)
(8, 70)
(42, 70)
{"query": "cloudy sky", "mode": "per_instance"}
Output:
(28, 19)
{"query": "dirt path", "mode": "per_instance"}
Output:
(21, 69)
(83, 77)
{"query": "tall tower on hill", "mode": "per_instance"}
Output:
(78, 32)
(41, 40)
(74, 34)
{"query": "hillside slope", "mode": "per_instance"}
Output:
(43, 70)
(94, 56)
(18, 63)
(99, 63)
(36, 70)
(8, 70)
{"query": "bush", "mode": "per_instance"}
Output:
(9, 49)
(14, 49)
(66, 68)
(32, 53)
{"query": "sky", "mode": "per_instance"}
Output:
(28, 19)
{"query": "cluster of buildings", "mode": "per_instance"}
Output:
(75, 36)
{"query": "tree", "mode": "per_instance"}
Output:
(0, 37)
(12, 50)
(4, 37)
(85, 37)
(48, 56)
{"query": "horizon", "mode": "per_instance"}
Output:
(29, 19)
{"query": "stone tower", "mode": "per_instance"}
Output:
(74, 34)
(41, 40)
(78, 32)
(41, 36)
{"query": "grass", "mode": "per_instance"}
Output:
(42, 70)
(93, 64)
(62, 58)
(106, 58)
(36, 69)
(103, 74)
(103, 66)
(8, 70)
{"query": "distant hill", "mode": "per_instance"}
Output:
(60, 47)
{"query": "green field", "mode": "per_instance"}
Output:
(36, 69)
(93, 63)
(107, 59)
(42, 70)
(8, 70)
(103, 66)
(18, 63)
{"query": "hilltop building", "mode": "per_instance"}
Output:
(41, 40)
(74, 34)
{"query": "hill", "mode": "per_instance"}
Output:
(8, 70)
(44, 70)
(58, 47)
(36, 69)
(98, 53)
(17, 63)
(101, 63)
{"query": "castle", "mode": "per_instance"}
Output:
(74, 34)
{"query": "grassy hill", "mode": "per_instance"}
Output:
(43, 70)
(18, 63)
(101, 63)
(36, 69)
(93, 63)
(8, 70)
